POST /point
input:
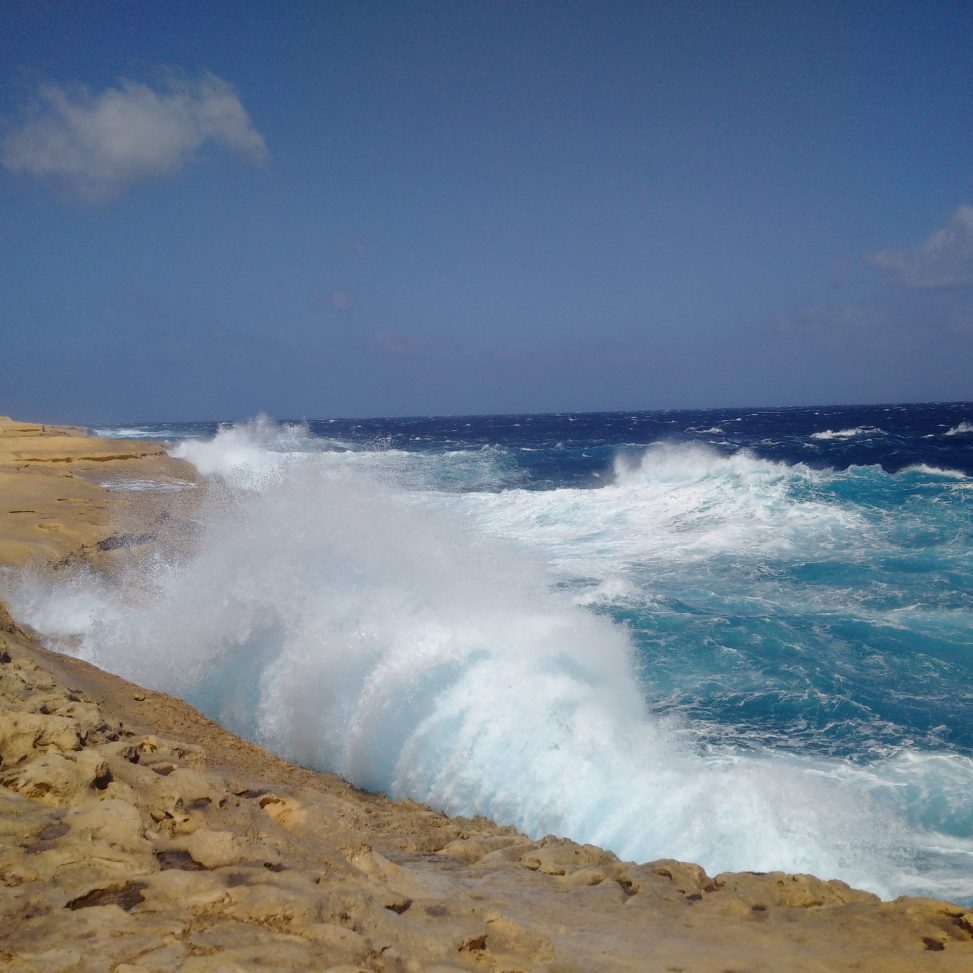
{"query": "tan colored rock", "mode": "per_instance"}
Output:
(165, 959)
(49, 779)
(57, 960)
(274, 904)
(780, 889)
(152, 749)
(215, 849)
(559, 856)
(686, 877)
(181, 790)
(284, 810)
(85, 715)
(344, 884)
(507, 937)
(337, 940)
(195, 891)
(504, 847)
(22, 734)
(113, 822)
(53, 505)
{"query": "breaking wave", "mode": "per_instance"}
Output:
(424, 643)
(848, 433)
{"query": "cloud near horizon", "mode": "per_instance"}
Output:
(95, 146)
(943, 260)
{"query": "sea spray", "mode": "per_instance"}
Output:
(416, 641)
(675, 503)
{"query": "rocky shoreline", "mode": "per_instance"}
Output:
(138, 835)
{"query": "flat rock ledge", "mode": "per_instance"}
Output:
(135, 835)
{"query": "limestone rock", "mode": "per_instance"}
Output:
(49, 779)
(559, 856)
(22, 734)
(213, 849)
(780, 889)
(113, 822)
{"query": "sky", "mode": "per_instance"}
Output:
(210, 210)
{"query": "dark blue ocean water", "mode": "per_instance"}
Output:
(575, 449)
(740, 637)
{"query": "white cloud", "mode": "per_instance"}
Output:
(96, 145)
(944, 260)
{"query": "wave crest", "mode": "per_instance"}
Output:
(353, 625)
(849, 433)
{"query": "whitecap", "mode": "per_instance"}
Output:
(849, 433)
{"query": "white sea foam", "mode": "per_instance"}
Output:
(248, 455)
(125, 432)
(925, 469)
(669, 504)
(378, 632)
(848, 433)
(961, 429)
(134, 484)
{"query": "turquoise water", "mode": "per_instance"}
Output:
(737, 637)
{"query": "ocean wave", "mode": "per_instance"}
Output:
(353, 625)
(666, 505)
(924, 469)
(137, 432)
(252, 454)
(961, 429)
(849, 433)
(247, 454)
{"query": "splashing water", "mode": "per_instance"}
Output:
(485, 651)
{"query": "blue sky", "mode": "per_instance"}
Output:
(335, 209)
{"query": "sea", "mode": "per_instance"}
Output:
(738, 637)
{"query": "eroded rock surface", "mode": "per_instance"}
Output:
(124, 847)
